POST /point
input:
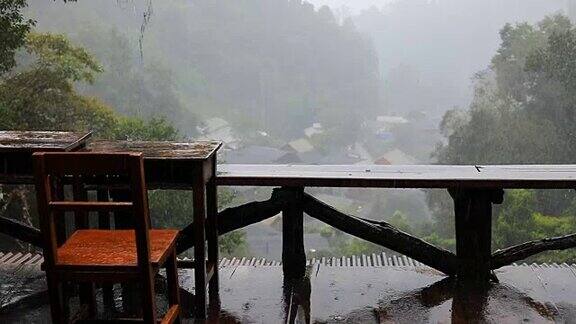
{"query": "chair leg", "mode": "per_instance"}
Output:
(55, 293)
(104, 218)
(88, 297)
(124, 220)
(148, 298)
(108, 296)
(173, 286)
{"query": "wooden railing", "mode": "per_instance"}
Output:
(474, 189)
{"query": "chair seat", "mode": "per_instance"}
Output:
(113, 247)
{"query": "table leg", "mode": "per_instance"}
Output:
(212, 231)
(199, 195)
(473, 211)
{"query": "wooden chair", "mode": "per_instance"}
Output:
(91, 256)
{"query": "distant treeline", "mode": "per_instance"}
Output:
(272, 65)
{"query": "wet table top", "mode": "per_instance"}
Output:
(16, 148)
(33, 141)
(161, 150)
(400, 176)
(168, 165)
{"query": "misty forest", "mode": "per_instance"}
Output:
(293, 82)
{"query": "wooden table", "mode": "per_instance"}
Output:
(191, 165)
(474, 188)
(17, 147)
(168, 165)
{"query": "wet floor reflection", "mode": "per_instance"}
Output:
(469, 304)
(296, 297)
(465, 303)
(251, 294)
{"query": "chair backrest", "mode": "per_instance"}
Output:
(53, 170)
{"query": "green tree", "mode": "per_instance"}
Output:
(41, 95)
(400, 221)
(514, 223)
(13, 27)
(234, 244)
(156, 128)
(522, 112)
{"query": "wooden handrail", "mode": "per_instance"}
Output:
(89, 206)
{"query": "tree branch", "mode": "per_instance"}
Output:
(21, 231)
(234, 218)
(519, 252)
(383, 234)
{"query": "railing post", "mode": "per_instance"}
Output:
(293, 254)
(473, 212)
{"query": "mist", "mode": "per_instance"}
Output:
(325, 82)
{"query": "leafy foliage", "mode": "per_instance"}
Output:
(523, 111)
(234, 244)
(42, 96)
(14, 28)
(57, 54)
(156, 128)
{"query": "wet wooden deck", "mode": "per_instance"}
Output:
(375, 294)
(395, 295)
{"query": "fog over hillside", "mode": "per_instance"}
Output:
(319, 82)
(430, 50)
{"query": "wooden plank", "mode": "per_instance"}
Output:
(212, 227)
(161, 150)
(36, 141)
(172, 315)
(399, 176)
(89, 206)
(293, 253)
(473, 212)
(199, 216)
(168, 165)
(16, 150)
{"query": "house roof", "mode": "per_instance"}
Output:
(213, 124)
(340, 157)
(392, 119)
(255, 155)
(395, 156)
(301, 145)
(316, 128)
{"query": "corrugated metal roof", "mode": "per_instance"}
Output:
(11, 260)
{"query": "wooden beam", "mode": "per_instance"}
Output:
(234, 218)
(21, 231)
(519, 252)
(383, 234)
(293, 254)
(473, 212)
